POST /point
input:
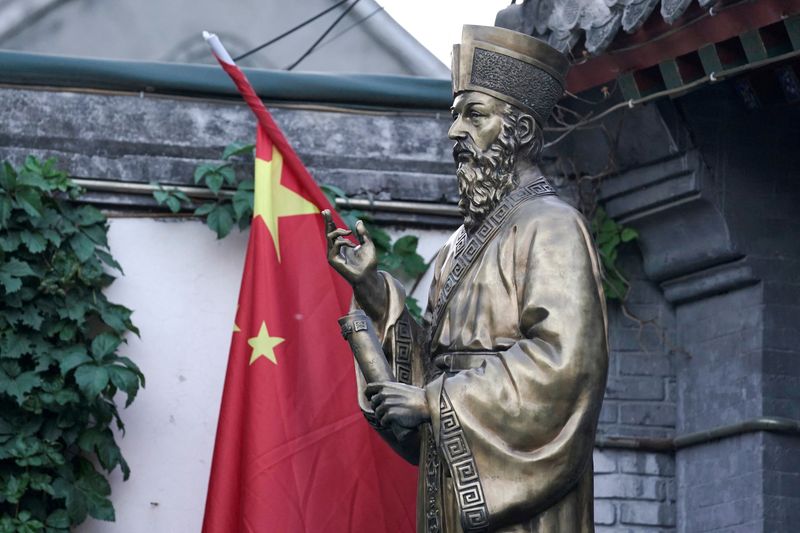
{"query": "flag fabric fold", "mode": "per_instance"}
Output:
(293, 452)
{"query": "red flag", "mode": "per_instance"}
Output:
(293, 452)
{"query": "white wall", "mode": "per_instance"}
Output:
(182, 284)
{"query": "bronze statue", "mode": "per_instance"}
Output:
(498, 393)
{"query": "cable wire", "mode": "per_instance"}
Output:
(290, 31)
(321, 37)
(347, 29)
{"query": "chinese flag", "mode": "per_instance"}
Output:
(293, 452)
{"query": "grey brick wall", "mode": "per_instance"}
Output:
(635, 490)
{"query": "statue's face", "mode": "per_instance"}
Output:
(485, 151)
(477, 116)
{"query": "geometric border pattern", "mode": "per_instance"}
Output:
(458, 456)
(477, 242)
(432, 483)
(402, 350)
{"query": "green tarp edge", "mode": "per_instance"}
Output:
(360, 90)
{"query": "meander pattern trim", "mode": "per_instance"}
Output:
(477, 242)
(457, 454)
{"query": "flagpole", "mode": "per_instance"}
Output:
(216, 46)
(268, 124)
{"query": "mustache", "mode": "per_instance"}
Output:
(465, 146)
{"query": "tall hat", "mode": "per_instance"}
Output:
(511, 66)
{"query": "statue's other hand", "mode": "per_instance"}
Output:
(398, 404)
(353, 262)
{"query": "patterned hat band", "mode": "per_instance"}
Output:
(511, 66)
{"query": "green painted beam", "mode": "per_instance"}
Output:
(356, 90)
(753, 46)
(709, 58)
(792, 25)
(671, 74)
(629, 87)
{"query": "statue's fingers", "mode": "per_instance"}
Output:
(337, 245)
(330, 225)
(337, 232)
(363, 234)
(372, 389)
(390, 417)
(375, 388)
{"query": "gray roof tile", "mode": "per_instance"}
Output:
(562, 22)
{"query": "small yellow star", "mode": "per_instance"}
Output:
(263, 345)
(273, 200)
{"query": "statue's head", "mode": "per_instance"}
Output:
(505, 85)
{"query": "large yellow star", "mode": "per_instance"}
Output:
(273, 200)
(263, 345)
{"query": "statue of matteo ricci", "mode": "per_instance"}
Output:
(497, 395)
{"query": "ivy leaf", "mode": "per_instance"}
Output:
(72, 359)
(97, 233)
(52, 236)
(161, 196)
(20, 385)
(628, 234)
(104, 344)
(10, 241)
(5, 210)
(237, 148)
(214, 180)
(30, 316)
(35, 242)
(33, 178)
(8, 177)
(15, 487)
(94, 488)
(242, 203)
(82, 246)
(201, 171)
(58, 519)
(220, 220)
(413, 307)
(13, 346)
(10, 273)
(88, 215)
(205, 209)
(333, 192)
(30, 201)
(118, 317)
(108, 259)
(15, 267)
(414, 265)
(406, 245)
(125, 380)
(173, 204)
(227, 172)
(91, 379)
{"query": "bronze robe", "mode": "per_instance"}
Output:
(514, 376)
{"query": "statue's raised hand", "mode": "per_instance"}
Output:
(356, 263)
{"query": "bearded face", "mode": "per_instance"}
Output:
(486, 151)
(485, 176)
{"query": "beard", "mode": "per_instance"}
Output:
(485, 177)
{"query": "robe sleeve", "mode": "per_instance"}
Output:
(403, 341)
(517, 433)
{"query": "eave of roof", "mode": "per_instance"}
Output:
(355, 90)
(625, 36)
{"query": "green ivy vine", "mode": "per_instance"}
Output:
(59, 364)
(609, 235)
(233, 206)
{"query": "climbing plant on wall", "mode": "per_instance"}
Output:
(234, 207)
(60, 369)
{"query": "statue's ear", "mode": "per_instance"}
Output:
(526, 129)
